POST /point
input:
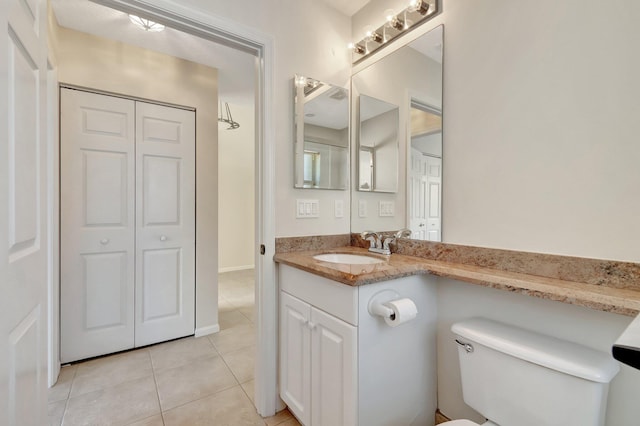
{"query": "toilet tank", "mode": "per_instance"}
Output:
(516, 377)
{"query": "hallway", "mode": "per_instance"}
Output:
(205, 381)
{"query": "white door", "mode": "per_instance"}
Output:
(165, 216)
(97, 224)
(23, 219)
(295, 356)
(434, 204)
(418, 195)
(334, 371)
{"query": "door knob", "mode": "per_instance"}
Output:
(104, 241)
(421, 225)
(163, 238)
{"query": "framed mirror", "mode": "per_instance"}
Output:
(407, 81)
(321, 129)
(378, 124)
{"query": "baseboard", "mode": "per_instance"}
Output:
(441, 418)
(235, 268)
(203, 331)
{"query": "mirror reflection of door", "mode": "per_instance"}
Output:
(425, 174)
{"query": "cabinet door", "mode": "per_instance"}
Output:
(334, 360)
(295, 356)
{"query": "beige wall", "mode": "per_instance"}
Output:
(102, 64)
(236, 191)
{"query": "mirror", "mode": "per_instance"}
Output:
(321, 124)
(377, 145)
(409, 79)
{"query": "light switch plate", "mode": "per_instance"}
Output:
(386, 209)
(362, 208)
(339, 208)
(306, 209)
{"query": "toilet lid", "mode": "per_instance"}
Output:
(462, 422)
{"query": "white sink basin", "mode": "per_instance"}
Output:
(350, 259)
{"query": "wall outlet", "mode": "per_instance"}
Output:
(387, 209)
(306, 209)
(362, 208)
(339, 208)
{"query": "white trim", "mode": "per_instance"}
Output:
(235, 268)
(205, 331)
(233, 34)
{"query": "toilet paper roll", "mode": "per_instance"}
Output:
(403, 310)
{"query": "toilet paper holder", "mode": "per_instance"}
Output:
(376, 304)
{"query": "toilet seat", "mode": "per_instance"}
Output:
(462, 422)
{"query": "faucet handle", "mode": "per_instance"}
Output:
(372, 237)
(404, 233)
(388, 241)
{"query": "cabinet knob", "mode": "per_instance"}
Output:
(163, 238)
(104, 241)
(310, 325)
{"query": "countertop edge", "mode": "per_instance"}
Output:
(619, 301)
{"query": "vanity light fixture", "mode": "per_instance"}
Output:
(393, 21)
(372, 35)
(145, 24)
(417, 12)
(227, 118)
(420, 6)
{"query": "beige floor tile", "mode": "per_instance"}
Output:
(55, 411)
(110, 371)
(228, 408)
(249, 388)
(235, 338)
(279, 418)
(180, 352)
(61, 389)
(249, 312)
(150, 421)
(195, 380)
(231, 319)
(242, 302)
(117, 405)
(224, 305)
(242, 363)
(291, 422)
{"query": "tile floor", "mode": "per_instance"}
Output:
(203, 381)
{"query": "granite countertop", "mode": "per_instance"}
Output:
(622, 301)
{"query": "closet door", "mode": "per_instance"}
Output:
(165, 223)
(97, 224)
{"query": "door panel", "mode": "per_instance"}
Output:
(97, 224)
(23, 224)
(434, 181)
(165, 218)
(162, 285)
(333, 371)
(295, 356)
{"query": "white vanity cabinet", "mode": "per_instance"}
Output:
(318, 358)
(341, 366)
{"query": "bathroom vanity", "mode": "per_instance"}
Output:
(341, 365)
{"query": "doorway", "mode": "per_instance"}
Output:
(260, 46)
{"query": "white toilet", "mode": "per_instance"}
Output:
(515, 377)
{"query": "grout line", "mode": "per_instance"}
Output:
(153, 371)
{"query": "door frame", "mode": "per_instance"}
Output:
(260, 45)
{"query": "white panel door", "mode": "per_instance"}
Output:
(418, 195)
(23, 219)
(97, 224)
(165, 223)
(434, 198)
(295, 356)
(334, 371)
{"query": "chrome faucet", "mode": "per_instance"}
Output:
(373, 238)
(376, 244)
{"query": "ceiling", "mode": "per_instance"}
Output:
(347, 7)
(236, 70)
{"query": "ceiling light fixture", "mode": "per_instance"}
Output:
(227, 118)
(145, 24)
(416, 13)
